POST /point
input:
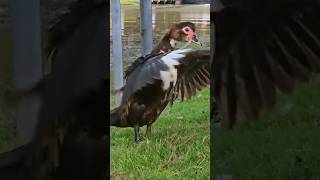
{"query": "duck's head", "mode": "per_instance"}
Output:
(184, 32)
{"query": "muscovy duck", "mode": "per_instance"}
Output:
(261, 47)
(139, 106)
(152, 85)
(71, 137)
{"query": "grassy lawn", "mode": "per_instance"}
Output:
(283, 145)
(7, 112)
(178, 148)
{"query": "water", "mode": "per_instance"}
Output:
(163, 17)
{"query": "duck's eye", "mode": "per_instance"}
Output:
(187, 29)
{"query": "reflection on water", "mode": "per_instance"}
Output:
(163, 17)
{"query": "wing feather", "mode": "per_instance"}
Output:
(193, 73)
(262, 49)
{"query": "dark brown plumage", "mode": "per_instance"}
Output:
(138, 62)
(262, 47)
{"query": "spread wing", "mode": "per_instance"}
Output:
(185, 70)
(193, 74)
(143, 75)
(261, 50)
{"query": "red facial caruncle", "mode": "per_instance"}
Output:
(191, 35)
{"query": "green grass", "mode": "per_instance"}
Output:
(7, 112)
(178, 147)
(284, 144)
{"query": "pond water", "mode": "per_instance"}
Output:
(162, 18)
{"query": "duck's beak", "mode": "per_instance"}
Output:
(195, 39)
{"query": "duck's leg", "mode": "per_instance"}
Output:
(148, 130)
(137, 136)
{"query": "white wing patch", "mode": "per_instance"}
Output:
(172, 60)
(168, 76)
